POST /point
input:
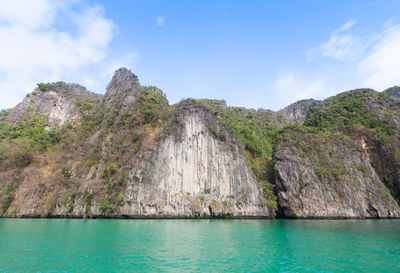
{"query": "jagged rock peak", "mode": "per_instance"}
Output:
(394, 91)
(297, 112)
(124, 74)
(122, 80)
(300, 104)
(156, 90)
(58, 102)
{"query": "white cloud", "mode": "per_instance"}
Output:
(27, 14)
(380, 68)
(349, 24)
(359, 60)
(341, 44)
(160, 21)
(34, 50)
(108, 69)
(291, 87)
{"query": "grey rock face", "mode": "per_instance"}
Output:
(393, 91)
(195, 174)
(57, 105)
(186, 162)
(295, 113)
(122, 81)
(191, 173)
(121, 94)
(348, 188)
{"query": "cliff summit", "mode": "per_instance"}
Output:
(68, 152)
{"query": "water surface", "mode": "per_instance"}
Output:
(58, 245)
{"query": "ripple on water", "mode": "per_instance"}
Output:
(199, 245)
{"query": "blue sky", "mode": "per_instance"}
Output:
(257, 54)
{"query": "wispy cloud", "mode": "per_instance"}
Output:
(355, 61)
(108, 68)
(290, 87)
(160, 21)
(349, 24)
(380, 67)
(34, 49)
(341, 44)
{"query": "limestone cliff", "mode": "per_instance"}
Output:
(148, 163)
(296, 112)
(335, 180)
(68, 152)
(58, 102)
(194, 173)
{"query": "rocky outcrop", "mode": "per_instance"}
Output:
(190, 173)
(67, 152)
(194, 168)
(57, 102)
(393, 91)
(296, 112)
(334, 181)
(194, 173)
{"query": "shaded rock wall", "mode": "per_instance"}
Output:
(338, 181)
(194, 173)
(57, 105)
(130, 154)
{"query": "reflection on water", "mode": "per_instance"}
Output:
(199, 245)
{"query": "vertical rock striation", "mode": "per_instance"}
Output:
(194, 173)
(334, 181)
(67, 152)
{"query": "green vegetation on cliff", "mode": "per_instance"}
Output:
(366, 115)
(18, 144)
(101, 157)
(354, 108)
(258, 134)
(45, 87)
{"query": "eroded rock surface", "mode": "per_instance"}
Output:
(57, 104)
(67, 152)
(334, 181)
(194, 173)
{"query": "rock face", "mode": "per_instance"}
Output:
(57, 102)
(395, 92)
(193, 173)
(67, 152)
(296, 112)
(336, 182)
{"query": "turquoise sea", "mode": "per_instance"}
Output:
(69, 245)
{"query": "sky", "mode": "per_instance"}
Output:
(255, 54)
